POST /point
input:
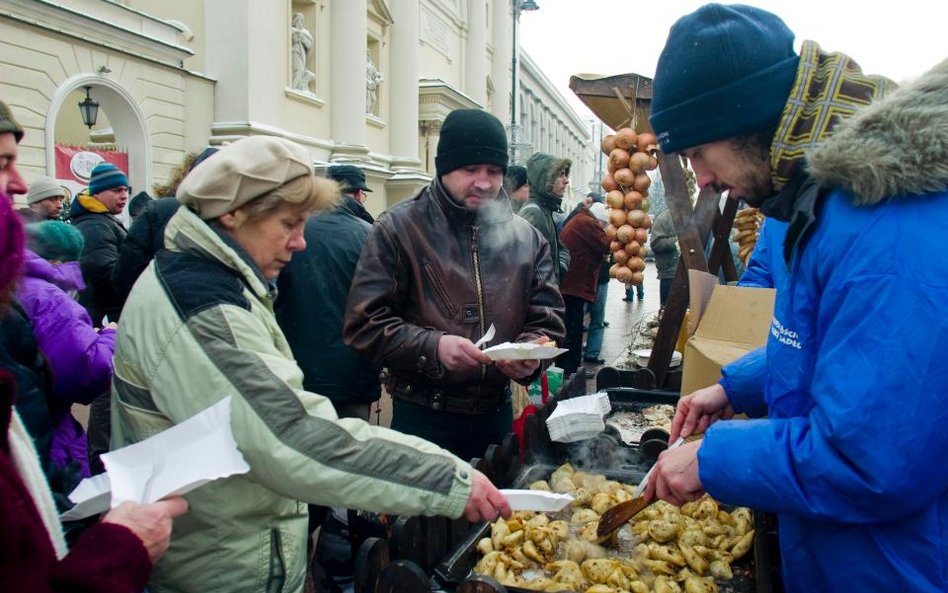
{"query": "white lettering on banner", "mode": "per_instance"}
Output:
(784, 335)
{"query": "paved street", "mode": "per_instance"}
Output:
(625, 317)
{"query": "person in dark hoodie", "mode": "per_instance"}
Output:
(94, 213)
(858, 334)
(517, 187)
(311, 302)
(147, 233)
(548, 177)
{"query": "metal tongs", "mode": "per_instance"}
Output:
(615, 517)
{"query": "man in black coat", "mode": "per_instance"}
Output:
(311, 302)
(94, 214)
(310, 307)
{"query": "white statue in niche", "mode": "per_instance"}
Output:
(372, 80)
(301, 42)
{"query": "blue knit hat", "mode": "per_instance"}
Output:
(55, 240)
(726, 71)
(106, 176)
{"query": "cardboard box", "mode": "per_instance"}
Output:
(734, 321)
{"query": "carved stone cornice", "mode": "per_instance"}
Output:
(437, 98)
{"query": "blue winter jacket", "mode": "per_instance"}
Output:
(766, 268)
(852, 454)
(744, 378)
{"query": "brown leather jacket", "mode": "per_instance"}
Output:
(429, 268)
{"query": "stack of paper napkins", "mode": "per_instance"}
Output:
(578, 418)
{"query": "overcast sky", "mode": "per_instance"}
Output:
(899, 39)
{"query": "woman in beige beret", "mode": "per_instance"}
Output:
(198, 326)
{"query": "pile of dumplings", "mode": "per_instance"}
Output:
(665, 549)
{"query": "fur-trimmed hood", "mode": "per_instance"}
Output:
(896, 146)
(542, 172)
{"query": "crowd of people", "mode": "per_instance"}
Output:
(253, 277)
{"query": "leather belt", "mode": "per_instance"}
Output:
(440, 400)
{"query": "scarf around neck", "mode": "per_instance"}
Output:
(828, 87)
(92, 204)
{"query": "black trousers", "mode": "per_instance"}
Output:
(575, 310)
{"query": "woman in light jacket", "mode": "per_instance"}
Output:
(198, 326)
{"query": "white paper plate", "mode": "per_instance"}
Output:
(536, 500)
(522, 351)
(642, 356)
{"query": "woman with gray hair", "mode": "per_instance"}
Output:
(198, 326)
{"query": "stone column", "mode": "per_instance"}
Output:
(403, 84)
(500, 65)
(347, 65)
(475, 75)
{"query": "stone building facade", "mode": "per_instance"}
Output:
(366, 82)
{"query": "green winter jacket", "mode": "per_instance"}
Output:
(199, 326)
(542, 172)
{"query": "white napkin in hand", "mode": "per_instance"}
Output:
(175, 461)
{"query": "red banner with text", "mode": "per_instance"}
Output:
(75, 163)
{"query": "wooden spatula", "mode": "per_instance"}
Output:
(615, 517)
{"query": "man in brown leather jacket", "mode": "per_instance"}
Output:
(436, 271)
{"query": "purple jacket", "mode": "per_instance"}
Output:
(79, 357)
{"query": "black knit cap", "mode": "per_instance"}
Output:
(471, 137)
(516, 178)
(138, 203)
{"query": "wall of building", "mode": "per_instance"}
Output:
(194, 72)
(550, 125)
(130, 61)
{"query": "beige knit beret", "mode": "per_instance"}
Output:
(43, 188)
(240, 172)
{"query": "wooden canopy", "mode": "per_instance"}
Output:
(622, 100)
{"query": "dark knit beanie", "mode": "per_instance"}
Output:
(516, 178)
(471, 137)
(105, 176)
(8, 124)
(138, 203)
(55, 240)
(726, 71)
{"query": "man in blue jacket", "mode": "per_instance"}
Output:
(744, 378)
(856, 377)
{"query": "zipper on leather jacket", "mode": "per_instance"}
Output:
(450, 309)
(480, 297)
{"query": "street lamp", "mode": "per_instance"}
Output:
(595, 184)
(517, 7)
(89, 108)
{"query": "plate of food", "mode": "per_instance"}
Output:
(524, 351)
